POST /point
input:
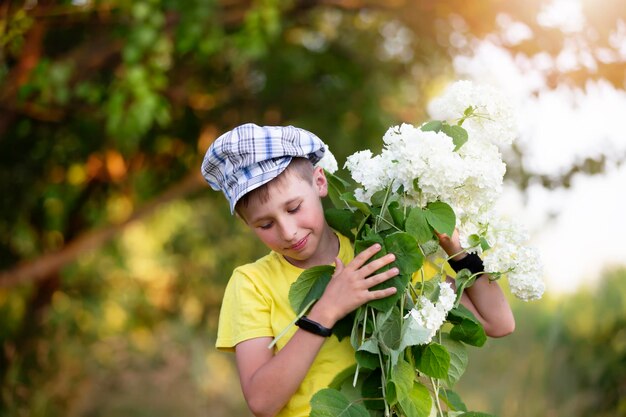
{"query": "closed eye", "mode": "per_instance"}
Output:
(265, 226)
(295, 209)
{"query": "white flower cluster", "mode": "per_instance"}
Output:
(429, 315)
(493, 122)
(508, 253)
(428, 167)
(328, 161)
(409, 154)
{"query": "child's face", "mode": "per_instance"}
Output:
(291, 221)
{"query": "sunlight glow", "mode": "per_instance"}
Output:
(566, 15)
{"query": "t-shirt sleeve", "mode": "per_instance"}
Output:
(245, 313)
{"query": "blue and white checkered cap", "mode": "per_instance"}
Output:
(249, 156)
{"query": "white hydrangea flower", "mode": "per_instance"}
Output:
(505, 238)
(328, 161)
(431, 316)
(484, 170)
(411, 157)
(428, 168)
(370, 171)
(525, 280)
(510, 255)
(468, 227)
(494, 119)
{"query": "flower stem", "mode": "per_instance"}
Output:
(436, 389)
(286, 329)
(382, 208)
(379, 217)
(356, 373)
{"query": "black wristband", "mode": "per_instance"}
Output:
(471, 262)
(314, 327)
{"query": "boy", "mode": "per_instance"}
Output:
(268, 176)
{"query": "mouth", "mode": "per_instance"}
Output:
(299, 245)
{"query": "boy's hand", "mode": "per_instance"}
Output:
(349, 287)
(452, 245)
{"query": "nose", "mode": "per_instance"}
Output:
(288, 230)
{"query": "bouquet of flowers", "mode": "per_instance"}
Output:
(410, 348)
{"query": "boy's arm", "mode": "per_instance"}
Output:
(485, 298)
(268, 381)
(486, 301)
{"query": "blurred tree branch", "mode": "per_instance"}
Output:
(49, 264)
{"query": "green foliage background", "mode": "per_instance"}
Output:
(114, 253)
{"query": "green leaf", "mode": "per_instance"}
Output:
(457, 133)
(429, 288)
(469, 332)
(389, 327)
(301, 290)
(466, 328)
(417, 225)
(416, 185)
(399, 281)
(409, 258)
(365, 223)
(317, 289)
(452, 399)
(413, 334)
(372, 388)
(397, 214)
(336, 187)
(370, 345)
(435, 361)
(342, 220)
(441, 217)
(329, 402)
(385, 304)
(367, 354)
(430, 247)
(458, 359)
(354, 203)
(432, 126)
(342, 377)
(367, 360)
(357, 319)
(390, 393)
(378, 198)
(368, 239)
(417, 403)
(463, 279)
(343, 327)
(469, 111)
(473, 240)
(460, 313)
(403, 377)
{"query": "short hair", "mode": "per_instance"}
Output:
(301, 167)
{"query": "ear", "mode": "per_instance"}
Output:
(320, 182)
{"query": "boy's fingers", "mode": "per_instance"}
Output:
(382, 277)
(339, 266)
(375, 265)
(362, 257)
(378, 294)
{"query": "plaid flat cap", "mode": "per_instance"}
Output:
(249, 156)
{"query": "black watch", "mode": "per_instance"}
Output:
(314, 327)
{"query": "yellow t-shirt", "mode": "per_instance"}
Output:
(256, 304)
